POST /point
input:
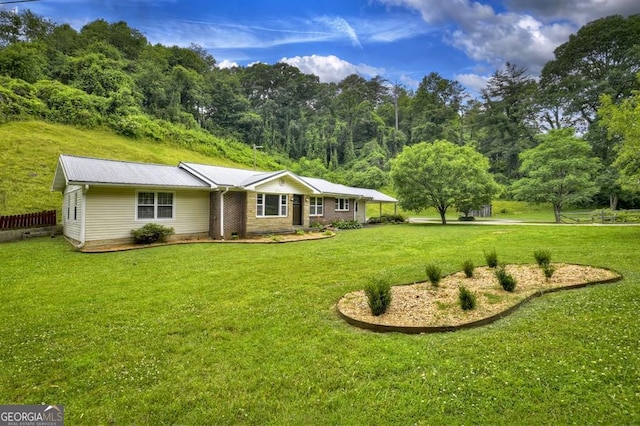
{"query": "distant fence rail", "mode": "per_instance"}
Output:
(602, 216)
(28, 220)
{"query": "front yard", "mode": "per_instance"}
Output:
(239, 333)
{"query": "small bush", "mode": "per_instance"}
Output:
(505, 279)
(468, 267)
(317, 226)
(466, 218)
(328, 233)
(467, 299)
(548, 270)
(378, 295)
(491, 258)
(543, 257)
(434, 274)
(346, 224)
(300, 232)
(151, 233)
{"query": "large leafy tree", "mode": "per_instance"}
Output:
(441, 175)
(561, 170)
(601, 58)
(622, 121)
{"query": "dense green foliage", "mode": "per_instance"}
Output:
(434, 273)
(622, 122)
(387, 218)
(346, 224)
(491, 257)
(505, 279)
(442, 174)
(542, 257)
(378, 293)
(151, 233)
(110, 75)
(466, 298)
(560, 170)
(548, 270)
(468, 267)
(153, 336)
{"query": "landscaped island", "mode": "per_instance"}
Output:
(422, 307)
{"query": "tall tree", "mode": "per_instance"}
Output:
(509, 118)
(441, 174)
(23, 26)
(603, 57)
(437, 104)
(561, 170)
(622, 121)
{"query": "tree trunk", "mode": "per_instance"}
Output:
(442, 215)
(613, 201)
(556, 212)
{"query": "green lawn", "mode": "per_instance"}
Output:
(502, 209)
(237, 333)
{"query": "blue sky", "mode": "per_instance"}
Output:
(400, 40)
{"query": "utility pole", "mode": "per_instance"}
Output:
(255, 149)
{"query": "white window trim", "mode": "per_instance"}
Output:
(283, 197)
(316, 205)
(155, 206)
(345, 205)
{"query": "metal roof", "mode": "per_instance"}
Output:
(330, 188)
(227, 176)
(237, 178)
(94, 171)
(85, 170)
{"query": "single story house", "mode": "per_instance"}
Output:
(103, 200)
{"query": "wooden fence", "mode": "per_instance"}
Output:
(29, 220)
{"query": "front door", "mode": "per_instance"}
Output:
(297, 210)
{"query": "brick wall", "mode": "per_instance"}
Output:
(234, 214)
(330, 213)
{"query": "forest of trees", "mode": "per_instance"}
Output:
(109, 74)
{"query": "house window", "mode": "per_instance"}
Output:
(271, 205)
(316, 206)
(155, 205)
(342, 204)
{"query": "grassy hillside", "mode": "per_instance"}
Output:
(29, 152)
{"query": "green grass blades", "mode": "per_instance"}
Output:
(247, 334)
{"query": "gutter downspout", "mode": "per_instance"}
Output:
(222, 212)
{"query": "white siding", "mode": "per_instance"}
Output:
(361, 214)
(111, 212)
(290, 187)
(72, 209)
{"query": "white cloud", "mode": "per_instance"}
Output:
(226, 63)
(330, 68)
(495, 38)
(474, 83)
